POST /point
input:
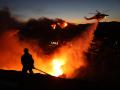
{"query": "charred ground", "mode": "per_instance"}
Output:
(14, 80)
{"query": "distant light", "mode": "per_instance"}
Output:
(54, 43)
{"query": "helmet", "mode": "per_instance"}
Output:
(26, 50)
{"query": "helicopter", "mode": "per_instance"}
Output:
(99, 16)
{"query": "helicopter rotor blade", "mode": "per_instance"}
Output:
(91, 13)
(97, 11)
(106, 10)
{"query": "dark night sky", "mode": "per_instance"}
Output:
(70, 10)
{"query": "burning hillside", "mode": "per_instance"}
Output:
(66, 59)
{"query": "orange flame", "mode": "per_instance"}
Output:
(53, 26)
(57, 67)
(63, 24)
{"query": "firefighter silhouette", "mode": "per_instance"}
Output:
(27, 62)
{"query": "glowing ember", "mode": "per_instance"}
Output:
(57, 70)
(63, 24)
(53, 26)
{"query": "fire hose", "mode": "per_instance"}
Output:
(41, 71)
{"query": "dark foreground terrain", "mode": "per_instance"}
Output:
(13, 80)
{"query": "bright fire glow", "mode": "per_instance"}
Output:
(57, 67)
(53, 26)
(63, 24)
